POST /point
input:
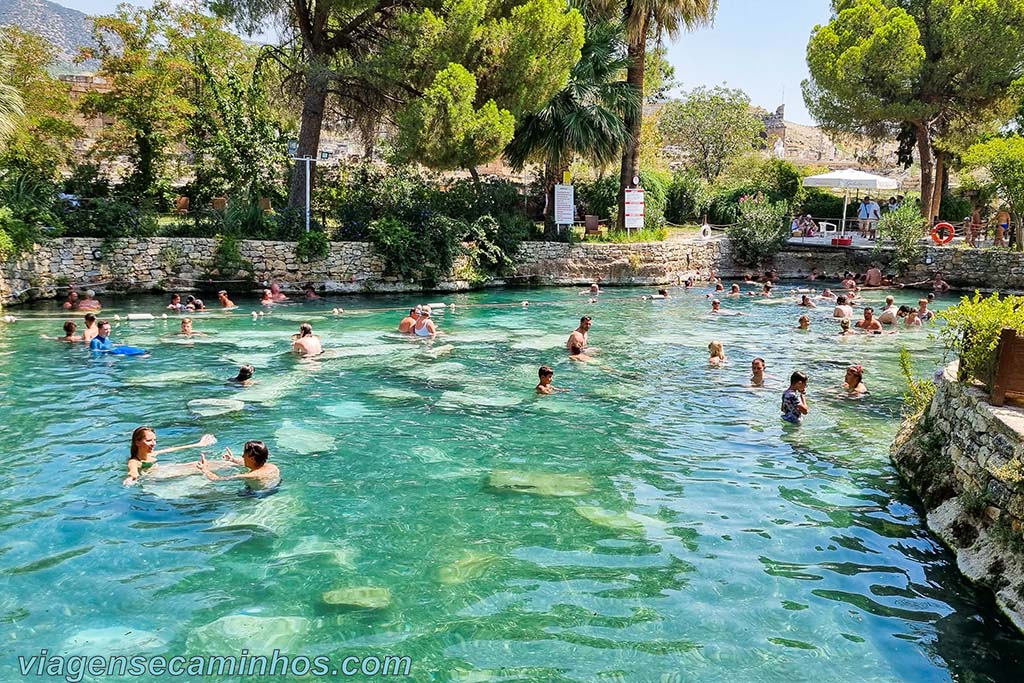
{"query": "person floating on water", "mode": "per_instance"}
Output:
(578, 337)
(593, 291)
(144, 453)
(806, 302)
(854, 381)
(244, 377)
(69, 333)
(186, 329)
(262, 475)
(546, 375)
(794, 399)
(305, 343)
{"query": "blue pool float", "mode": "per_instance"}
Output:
(128, 351)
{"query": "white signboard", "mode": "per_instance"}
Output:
(565, 208)
(634, 214)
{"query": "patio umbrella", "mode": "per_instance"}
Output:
(850, 179)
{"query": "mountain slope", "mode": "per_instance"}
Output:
(67, 29)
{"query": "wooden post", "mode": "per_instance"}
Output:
(1004, 366)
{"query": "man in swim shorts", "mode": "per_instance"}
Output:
(1002, 226)
(579, 335)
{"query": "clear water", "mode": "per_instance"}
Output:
(752, 551)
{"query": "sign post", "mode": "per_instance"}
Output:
(634, 205)
(307, 160)
(565, 207)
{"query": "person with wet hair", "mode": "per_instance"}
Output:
(261, 475)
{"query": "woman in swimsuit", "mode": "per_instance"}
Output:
(143, 453)
(854, 381)
(424, 327)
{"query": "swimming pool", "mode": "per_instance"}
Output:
(657, 523)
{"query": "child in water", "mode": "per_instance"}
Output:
(261, 475)
(547, 375)
(794, 400)
(716, 353)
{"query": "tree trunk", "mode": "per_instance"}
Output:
(637, 51)
(938, 183)
(549, 191)
(314, 100)
(924, 152)
(476, 179)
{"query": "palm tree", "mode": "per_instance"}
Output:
(641, 17)
(11, 108)
(586, 118)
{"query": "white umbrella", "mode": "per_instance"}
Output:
(850, 179)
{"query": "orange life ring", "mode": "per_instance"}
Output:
(943, 233)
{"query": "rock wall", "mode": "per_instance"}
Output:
(178, 263)
(963, 457)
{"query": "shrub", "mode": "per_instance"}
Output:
(109, 218)
(312, 245)
(32, 199)
(227, 262)
(972, 331)
(822, 204)
(919, 391)
(688, 197)
(761, 230)
(904, 228)
(599, 197)
(780, 180)
(955, 208)
(248, 221)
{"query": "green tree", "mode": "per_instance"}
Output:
(711, 128)
(644, 19)
(146, 99)
(42, 139)
(585, 118)
(11, 107)
(920, 71)
(659, 74)
(999, 163)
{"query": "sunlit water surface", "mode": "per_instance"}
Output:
(696, 537)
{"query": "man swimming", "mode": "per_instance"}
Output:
(409, 321)
(579, 335)
(869, 324)
(888, 314)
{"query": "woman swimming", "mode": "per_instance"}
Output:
(143, 453)
(425, 327)
(854, 380)
(717, 352)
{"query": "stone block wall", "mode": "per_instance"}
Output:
(965, 459)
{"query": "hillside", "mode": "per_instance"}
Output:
(65, 28)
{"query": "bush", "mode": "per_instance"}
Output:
(919, 391)
(972, 331)
(599, 197)
(31, 198)
(427, 254)
(312, 245)
(630, 236)
(109, 218)
(761, 230)
(904, 228)
(688, 197)
(724, 202)
(11, 231)
(780, 181)
(955, 208)
(822, 204)
(227, 263)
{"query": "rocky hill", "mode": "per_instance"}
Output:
(67, 29)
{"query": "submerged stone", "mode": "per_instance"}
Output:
(540, 483)
(259, 635)
(210, 407)
(113, 640)
(364, 597)
(471, 565)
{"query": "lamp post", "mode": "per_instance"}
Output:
(307, 160)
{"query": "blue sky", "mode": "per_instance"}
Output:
(755, 45)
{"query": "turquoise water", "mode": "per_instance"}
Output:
(698, 539)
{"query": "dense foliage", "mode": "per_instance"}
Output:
(761, 230)
(902, 228)
(972, 331)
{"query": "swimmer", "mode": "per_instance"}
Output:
(889, 313)
(425, 327)
(193, 303)
(593, 291)
(267, 299)
(409, 321)
(844, 328)
(244, 376)
(225, 302)
(848, 283)
(69, 333)
(102, 341)
(663, 293)
(310, 292)
(143, 452)
(261, 476)
(827, 294)
(806, 302)
(717, 353)
(305, 343)
(842, 309)
(91, 330)
(923, 314)
(854, 381)
(814, 275)
(186, 329)
(546, 375)
(716, 306)
(89, 303)
(757, 372)
(579, 335)
(912, 320)
(873, 276)
(71, 304)
(766, 290)
(804, 323)
(719, 287)
(276, 294)
(794, 399)
(175, 304)
(734, 290)
(869, 324)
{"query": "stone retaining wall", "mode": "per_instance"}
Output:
(178, 263)
(963, 457)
